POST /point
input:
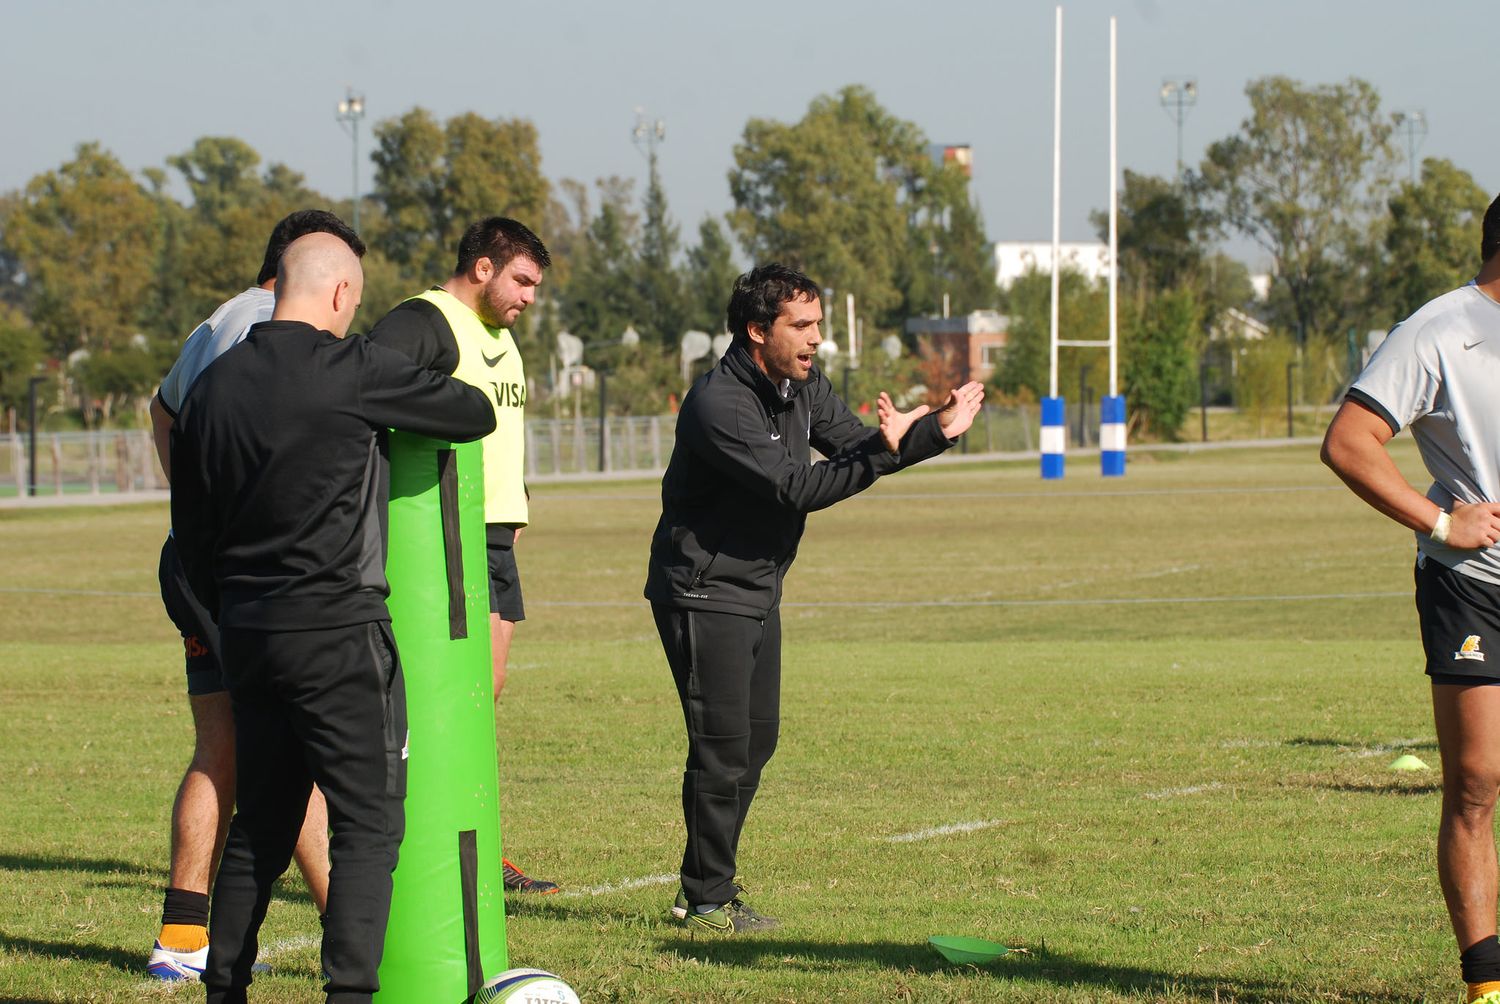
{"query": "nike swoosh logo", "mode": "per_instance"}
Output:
(491, 362)
(1470, 345)
(775, 436)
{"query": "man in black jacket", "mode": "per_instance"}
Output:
(279, 492)
(735, 499)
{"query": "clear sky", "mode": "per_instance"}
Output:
(146, 79)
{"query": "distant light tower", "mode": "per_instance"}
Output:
(648, 135)
(1411, 126)
(1178, 97)
(351, 110)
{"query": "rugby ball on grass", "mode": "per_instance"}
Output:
(525, 986)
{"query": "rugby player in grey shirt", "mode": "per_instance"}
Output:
(1438, 373)
(205, 798)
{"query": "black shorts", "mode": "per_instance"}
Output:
(200, 635)
(1460, 619)
(505, 582)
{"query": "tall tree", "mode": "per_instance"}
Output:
(851, 195)
(1432, 242)
(86, 236)
(1083, 313)
(1160, 361)
(948, 251)
(710, 277)
(20, 355)
(1158, 236)
(1305, 178)
(216, 247)
(603, 295)
(433, 180)
(824, 194)
(660, 282)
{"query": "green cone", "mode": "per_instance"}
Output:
(1408, 762)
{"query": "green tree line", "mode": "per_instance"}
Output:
(103, 272)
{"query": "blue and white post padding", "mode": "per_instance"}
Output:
(1054, 437)
(1112, 435)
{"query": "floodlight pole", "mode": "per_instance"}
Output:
(1412, 127)
(1178, 98)
(350, 111)
(648, 135)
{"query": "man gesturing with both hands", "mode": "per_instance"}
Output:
(735, 499)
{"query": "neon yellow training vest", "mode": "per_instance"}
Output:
(488, 359)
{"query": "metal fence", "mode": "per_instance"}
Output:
(111, 460)
(567, 447)
(96, 462)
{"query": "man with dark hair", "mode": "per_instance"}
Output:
(735, 499)
(1436, 373)
(205, 798)
(463, 328)
(280, 501)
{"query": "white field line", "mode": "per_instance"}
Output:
(624, 885)
(942, 831)
(275, 948)
(1102, 493)
(1103, 602)
(1196, 789)
(1114, 601)
(883, 495)
(74, 592)
(1395, 745)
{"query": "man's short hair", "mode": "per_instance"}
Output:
(759, 294)
(1490, 242)
(300, 224)
(501, 240)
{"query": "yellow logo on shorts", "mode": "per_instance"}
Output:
(1470, 649)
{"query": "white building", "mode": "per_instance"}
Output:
(1014, 259)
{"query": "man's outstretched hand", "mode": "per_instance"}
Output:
(954, 418)
(893, 423)
(963, 404)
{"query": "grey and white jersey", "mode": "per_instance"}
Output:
(1438, 372)
(224, 329)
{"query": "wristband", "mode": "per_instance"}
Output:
(1441, 527)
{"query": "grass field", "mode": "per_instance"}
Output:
(1140, 728)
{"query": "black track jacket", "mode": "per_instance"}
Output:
(740, 483)
(279, 475)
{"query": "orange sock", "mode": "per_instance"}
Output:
(1478, 990)
(191, 937)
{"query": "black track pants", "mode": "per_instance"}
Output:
(312, 706)
(728, 674)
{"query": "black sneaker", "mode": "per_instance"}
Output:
(729, 918)
(746, 919)
(518, 881)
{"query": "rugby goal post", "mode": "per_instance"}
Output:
(1054, 435)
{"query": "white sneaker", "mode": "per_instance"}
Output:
(172, 966)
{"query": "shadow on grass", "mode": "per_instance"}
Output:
(101, 866)
(1386, 787)
(126, 962)
(153, 878)
(1038, 966)
(1353, 744)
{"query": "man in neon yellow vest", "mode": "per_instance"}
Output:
(462, 328)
